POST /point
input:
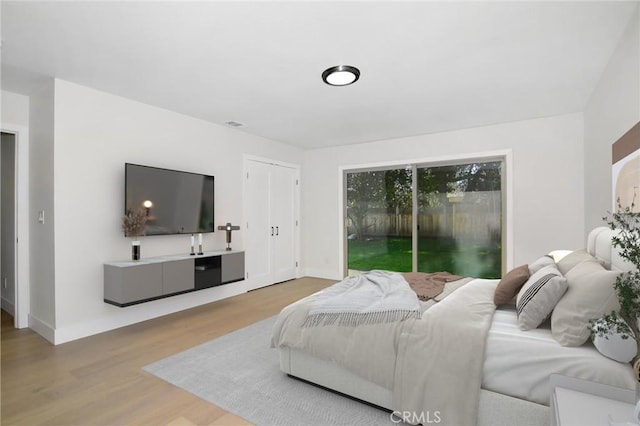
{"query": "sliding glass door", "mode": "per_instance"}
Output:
(379, 220)
(426, 218)
(460, 219)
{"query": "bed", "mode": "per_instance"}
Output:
(480, 369)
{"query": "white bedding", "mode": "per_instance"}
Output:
(519, 363)
(392, 355)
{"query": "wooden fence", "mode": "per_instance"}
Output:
(477, 215)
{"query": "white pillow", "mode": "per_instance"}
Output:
(538, 296)
(590, 295)
(573, 259)
(558, 255)
(540, 263)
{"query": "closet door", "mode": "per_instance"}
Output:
(270, 192)
(258, 214)
(283, 186)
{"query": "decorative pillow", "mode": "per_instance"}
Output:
(510, 284)
(571, 260)
(538, 296)
(540, 263)
(558, 255)
(590, 295)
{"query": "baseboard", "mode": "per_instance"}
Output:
(8, 306)
(42, 328)
(322, 273)
(134, 314)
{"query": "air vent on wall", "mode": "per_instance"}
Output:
(233, 124)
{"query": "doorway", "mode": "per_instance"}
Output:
(17, 245)
(8, 223)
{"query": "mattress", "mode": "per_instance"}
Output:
(519, 363)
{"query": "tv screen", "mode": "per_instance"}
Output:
(175, 202)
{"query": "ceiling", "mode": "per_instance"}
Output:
(425, 67)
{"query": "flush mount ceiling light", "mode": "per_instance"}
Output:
(341, 75)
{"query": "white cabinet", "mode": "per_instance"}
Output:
(271, 193)
(576, 402)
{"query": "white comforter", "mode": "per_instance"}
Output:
(518, 363)
(432, 364)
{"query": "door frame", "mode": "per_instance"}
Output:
(245, 166)
(507, 207)
(22, 293)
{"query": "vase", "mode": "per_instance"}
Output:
(615, 347)
(135, 250)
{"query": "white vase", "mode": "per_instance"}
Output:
(613, 346)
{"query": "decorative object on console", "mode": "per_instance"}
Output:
(228, 227)
(135, 250)
(200, 252)
(133, 225)
(193, 243)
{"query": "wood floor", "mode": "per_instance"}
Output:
(99, 380)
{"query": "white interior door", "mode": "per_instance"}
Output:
(283, 186)
(258, 250)
(270, 204)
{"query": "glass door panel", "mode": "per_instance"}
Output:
(379, 219)
(459, 209)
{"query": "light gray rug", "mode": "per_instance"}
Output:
(240, 373)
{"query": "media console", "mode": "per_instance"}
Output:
(132, 282)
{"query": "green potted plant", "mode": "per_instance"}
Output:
(133, 225)
(627, 286)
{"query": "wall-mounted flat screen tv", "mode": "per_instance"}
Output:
(175, 202)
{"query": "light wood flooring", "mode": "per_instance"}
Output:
(99, 380)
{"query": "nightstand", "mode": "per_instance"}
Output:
(576, 402)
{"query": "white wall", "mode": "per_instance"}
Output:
(614, 107)
(95, 134)
(547, 183)
(41, 192)
(15, 109)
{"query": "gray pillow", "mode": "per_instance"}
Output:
(538, 296)
(590, 295)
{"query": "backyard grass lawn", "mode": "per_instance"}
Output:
(394, 254)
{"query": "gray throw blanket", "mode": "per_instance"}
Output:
(371, 298)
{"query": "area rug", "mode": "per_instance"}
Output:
(240, 373)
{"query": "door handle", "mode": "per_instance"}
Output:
(277, 231)
(272, 231)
